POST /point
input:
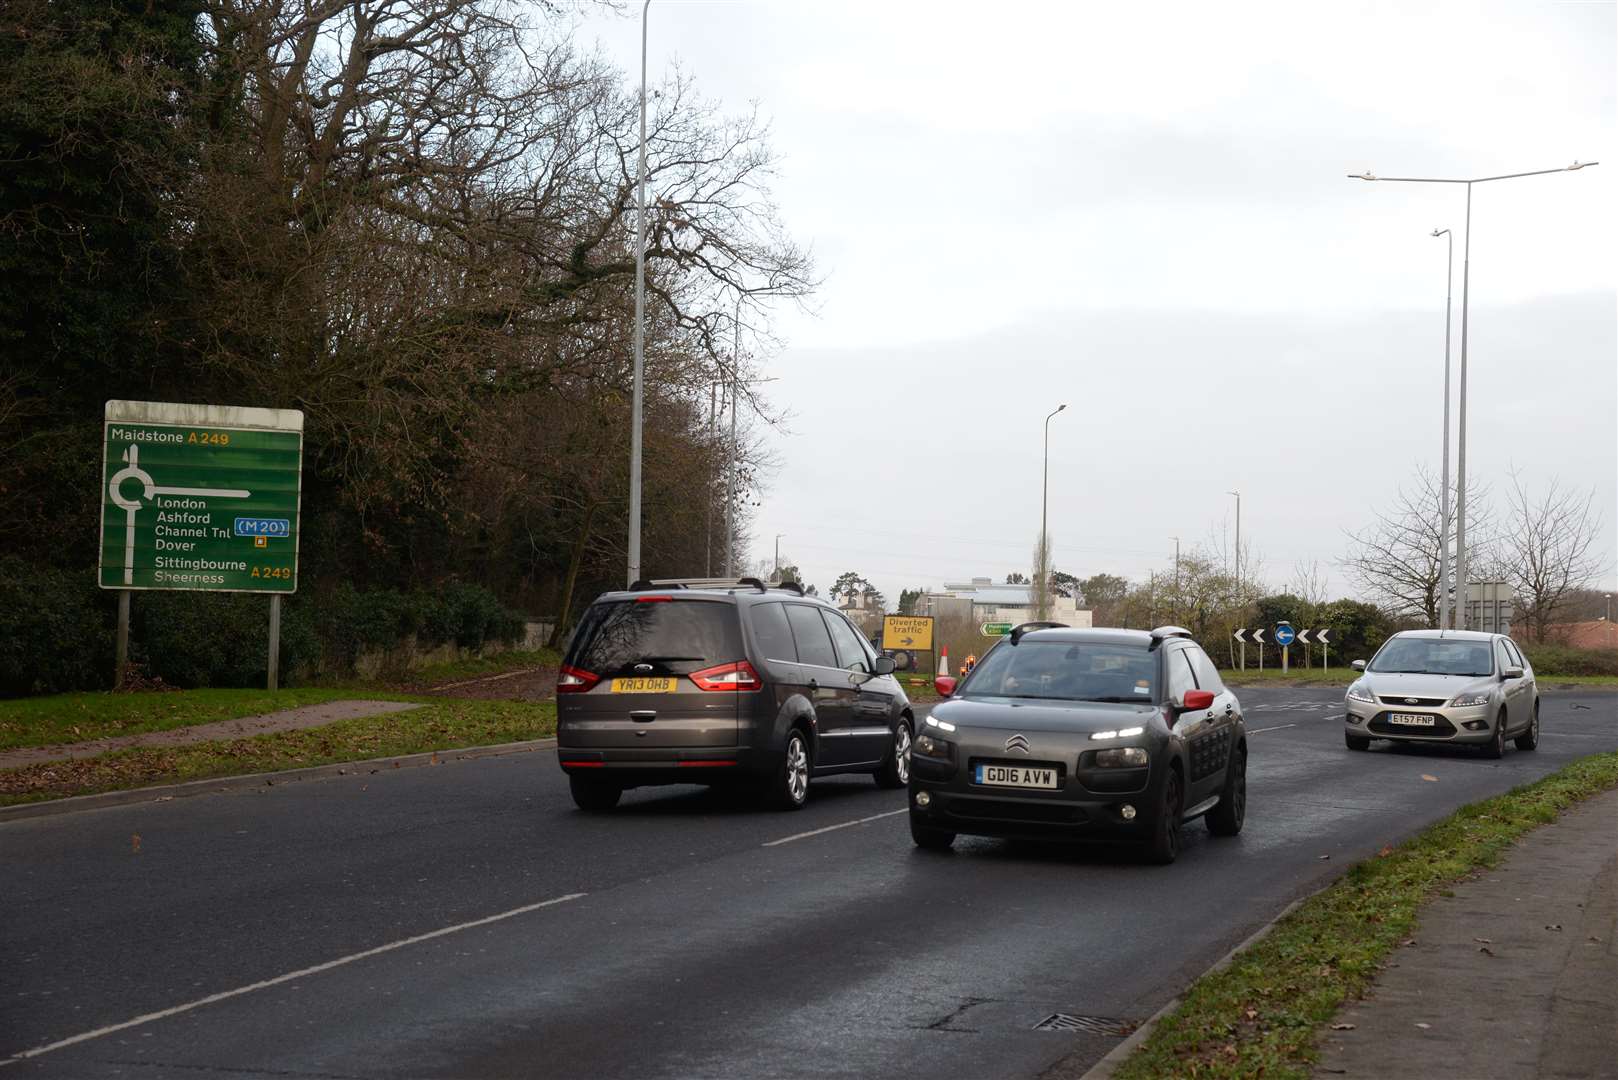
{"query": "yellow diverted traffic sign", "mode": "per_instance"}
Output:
(914, 632)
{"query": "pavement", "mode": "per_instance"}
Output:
(468, 921)
(242, 727)
(1515, 976)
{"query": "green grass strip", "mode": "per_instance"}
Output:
(446, 724)
(1260, 1015)
(69, 718)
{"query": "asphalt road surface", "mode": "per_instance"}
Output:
(270, 933)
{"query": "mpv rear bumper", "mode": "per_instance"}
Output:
(637, 766)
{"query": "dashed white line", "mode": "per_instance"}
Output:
(162, 1014)
(833, 828)
(1262, 730)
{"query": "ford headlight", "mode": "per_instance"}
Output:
(1471, 697)
(1358, 692)
(1121, 757)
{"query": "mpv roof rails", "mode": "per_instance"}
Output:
(1164, 632)
(1018, 632)
(713, 583)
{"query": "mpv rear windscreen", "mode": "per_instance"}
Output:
(672, 635)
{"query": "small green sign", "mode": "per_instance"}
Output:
(995, 629)
(200, 497)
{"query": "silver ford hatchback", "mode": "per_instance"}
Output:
(1453, 686)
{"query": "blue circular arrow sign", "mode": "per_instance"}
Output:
(1285, 635)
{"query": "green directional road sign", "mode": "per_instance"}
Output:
(200, 497)
(995, 629)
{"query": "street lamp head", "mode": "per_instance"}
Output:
(1059, 408)
(1440, 232)
(1366, 175)
(1575, 167)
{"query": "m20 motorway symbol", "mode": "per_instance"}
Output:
(200, 497)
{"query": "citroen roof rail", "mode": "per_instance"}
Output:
(1163, 633)
(1018, 632)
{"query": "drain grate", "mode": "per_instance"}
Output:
(1095, 1025)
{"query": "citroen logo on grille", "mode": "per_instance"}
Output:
(1018, 742)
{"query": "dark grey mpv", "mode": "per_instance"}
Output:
(715, 682)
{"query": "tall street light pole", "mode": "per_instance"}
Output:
(1466, 277)
(1443, 512)
(640, 320)
(1044, 533)
(1238, 543)
(1176, 540)
(778, 555)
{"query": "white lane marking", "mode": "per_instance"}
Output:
(1262, 730)
(163, 1014)
(833, 828)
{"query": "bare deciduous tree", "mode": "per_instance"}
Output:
(1395, 560)
(1546, 551)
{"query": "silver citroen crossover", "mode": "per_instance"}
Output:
(1449, 686)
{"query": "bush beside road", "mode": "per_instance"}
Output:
(1261, 1014)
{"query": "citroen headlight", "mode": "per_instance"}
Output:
(1358, 692)
(930, 746)
(1472, 697)
(1121, 757)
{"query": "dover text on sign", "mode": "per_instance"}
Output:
(913, 632)
(200, 497)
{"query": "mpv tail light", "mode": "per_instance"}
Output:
(737, 676)
(572, 680)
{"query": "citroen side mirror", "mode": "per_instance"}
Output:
(1192, 700)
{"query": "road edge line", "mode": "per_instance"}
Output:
(221, 784)
(1108, 1065)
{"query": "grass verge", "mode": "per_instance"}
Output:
(67, 718)
(443, 725)
(475, 667)
(1260, 1015)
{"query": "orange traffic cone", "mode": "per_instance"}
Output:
(943, 660)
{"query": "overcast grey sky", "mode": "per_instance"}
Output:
(1142, 211)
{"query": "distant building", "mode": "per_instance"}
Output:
(983, 601)
(1592, 634)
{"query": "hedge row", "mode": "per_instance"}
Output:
(1556, 660)
(57, 630)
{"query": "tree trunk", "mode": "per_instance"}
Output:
(575, 560)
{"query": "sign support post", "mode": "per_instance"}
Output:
(122, 663)
(275, 641)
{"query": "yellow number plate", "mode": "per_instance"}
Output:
(643, 686)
